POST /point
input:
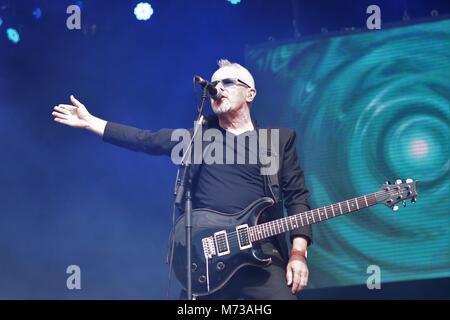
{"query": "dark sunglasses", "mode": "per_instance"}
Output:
(228, 82)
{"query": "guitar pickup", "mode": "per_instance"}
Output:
(222, 245)
(243, 237)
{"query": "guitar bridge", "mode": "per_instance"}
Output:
(208, 247)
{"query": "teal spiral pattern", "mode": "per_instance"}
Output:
(368, 107)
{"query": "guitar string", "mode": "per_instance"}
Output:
(233, 235)
(233, 239)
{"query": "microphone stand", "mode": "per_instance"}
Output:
(183, 190)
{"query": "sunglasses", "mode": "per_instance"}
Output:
(228, 82)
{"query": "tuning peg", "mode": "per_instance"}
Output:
(404, 203)
(409, 180)
(395, 208)
(398, 181)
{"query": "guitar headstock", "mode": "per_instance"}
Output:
(391, 194)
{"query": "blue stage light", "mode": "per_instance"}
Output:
(234, 1)
(143, 11)
(1, 21)
(37, 13)
(13, 35)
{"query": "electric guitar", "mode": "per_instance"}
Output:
(222, 243)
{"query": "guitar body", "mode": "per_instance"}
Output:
(223, 243)
(220, 268)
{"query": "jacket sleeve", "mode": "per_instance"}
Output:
(295, 193)
(154, 143)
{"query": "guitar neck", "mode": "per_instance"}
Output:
(275, 227)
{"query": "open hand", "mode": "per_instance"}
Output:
(75, 115)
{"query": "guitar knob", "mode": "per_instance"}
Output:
(398, 181)
(409, 180)
(413, 200)
(194, 267)
(387, 182)
(395, 208)
(220, 265)
(404, 203)
(202, 279)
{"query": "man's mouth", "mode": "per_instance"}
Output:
(220, 100)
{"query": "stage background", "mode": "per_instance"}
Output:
(67, 198)
(368, 107)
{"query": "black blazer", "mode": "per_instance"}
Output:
(291, 190)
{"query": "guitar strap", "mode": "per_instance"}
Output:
(272, 180)
(273, 189)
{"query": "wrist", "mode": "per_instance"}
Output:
(299, 253)
(96, 125)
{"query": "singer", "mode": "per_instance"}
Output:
(227, 189)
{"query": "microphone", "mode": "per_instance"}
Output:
(213, 92)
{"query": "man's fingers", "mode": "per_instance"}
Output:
(60, 115)
(75, 101)
(303, 282)
(289, 276)
(299, 280)
(67, 106)
(295, 287)
(64, 110)
(304, 279)
(66, 122)
(296, 282)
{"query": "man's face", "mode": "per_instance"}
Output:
(234, 95)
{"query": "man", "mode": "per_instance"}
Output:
(229, 187)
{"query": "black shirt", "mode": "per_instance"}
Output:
(229, 187)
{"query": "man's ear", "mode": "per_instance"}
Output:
(251, 94)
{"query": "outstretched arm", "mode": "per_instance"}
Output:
(77, 116)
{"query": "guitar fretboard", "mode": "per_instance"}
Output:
(272, 228)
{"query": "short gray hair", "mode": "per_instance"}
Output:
(227, 63)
